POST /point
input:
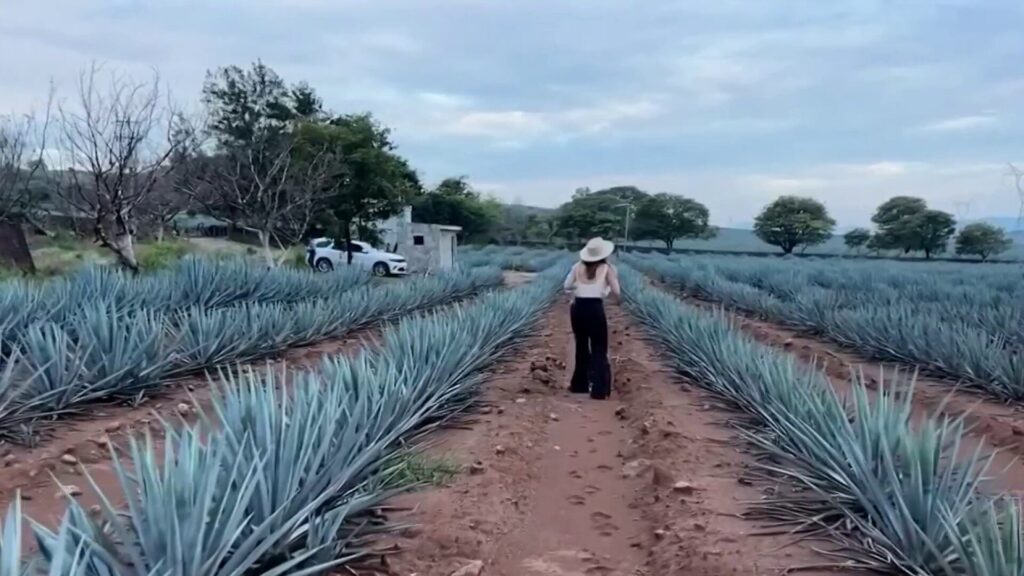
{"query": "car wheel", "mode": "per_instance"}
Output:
(324, 265)
(380, 269)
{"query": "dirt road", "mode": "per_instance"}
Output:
(650, 482)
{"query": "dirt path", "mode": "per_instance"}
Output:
(991, 423)
(650, 482)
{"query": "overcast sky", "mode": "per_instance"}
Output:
(730, 102)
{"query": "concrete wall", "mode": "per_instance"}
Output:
(400, 232)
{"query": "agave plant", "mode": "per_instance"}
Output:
(930, 318)
(100, 351)
(279, 475)
(893, 493)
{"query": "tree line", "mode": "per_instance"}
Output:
(261, 155)
(903, 223)
(269, 157)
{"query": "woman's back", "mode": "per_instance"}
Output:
(585, 286)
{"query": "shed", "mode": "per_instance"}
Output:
(426, 247)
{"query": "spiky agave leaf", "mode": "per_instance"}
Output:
(894, 491)
(925, 318)
(992, 543)
(126, 353)
(323, 441)
(11, 561)
(57, 362)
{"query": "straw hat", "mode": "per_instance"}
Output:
(597, 249)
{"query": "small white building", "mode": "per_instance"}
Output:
(426, 247)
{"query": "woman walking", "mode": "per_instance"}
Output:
(591, 280)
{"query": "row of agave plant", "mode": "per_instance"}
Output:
(891, 494)
(193, 282)
(943, 338)
(511, 257)
(989, 298)
(105, 353)
(282, 480)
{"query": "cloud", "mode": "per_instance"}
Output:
(729, 101)
(515, 125)
(962, 123)
(499, 125)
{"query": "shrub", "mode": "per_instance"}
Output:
(160, 255)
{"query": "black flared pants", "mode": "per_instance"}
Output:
(592, 372)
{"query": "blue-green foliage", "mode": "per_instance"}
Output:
(191, 282)
(511, 257)
(883, 488)
(109, 349)
(276, 478)
(960, 321)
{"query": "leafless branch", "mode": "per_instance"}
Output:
(23, 144)
(261, 187)
(116, 142)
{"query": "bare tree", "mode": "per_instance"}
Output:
(167, 201)
(265, 188)
(169, 198)
(22, 149)
(115, 142)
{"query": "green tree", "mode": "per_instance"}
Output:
(248, 107)
(542, 227)
(894, 221)
(667, 217)
(454, 202)
(264, 174)
(514, 225)
(367, 180)
(790, 222)
(590, 216)
(982, 240)
(857, 238)
(929, 231)
(600, 213)
(305, 102)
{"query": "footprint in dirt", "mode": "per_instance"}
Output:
(577, 500)
(605, 468)
(591, 489)
(576, 474)
(603, 524)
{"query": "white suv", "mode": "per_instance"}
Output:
(324, 255)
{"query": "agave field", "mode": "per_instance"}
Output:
(511, 258)
(272, 479)
(891, 494)
(103, 335)
(283, 470)
(962, 322)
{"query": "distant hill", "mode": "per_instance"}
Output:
(529, 210)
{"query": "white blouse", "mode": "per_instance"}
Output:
(605, 281)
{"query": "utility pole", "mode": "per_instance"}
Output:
(629, 212)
